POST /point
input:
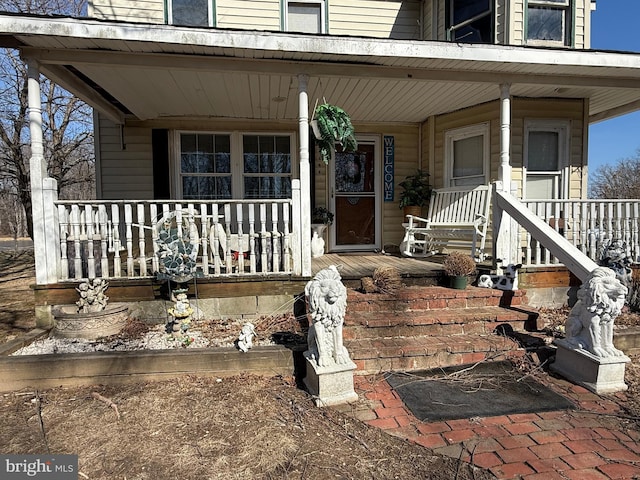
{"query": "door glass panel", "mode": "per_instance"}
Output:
(543, 151)
(355, 221)
(542, 186)
(354, 172)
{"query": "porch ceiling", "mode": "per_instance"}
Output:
(163, 71)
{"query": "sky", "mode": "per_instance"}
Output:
(615, 27)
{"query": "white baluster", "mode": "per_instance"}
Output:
(63, 222)
(75, 225)
(141, 240)
(91, 261)
(117, 246)
(275, 238)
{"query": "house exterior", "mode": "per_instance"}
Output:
(203, 108)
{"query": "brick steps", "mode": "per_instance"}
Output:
(430, 327)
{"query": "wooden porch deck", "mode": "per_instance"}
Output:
(354, 266)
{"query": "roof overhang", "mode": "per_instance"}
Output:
(161, 71)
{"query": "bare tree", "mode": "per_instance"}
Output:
(67, 124)
(619, 180)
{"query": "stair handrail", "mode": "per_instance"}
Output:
(577, 262)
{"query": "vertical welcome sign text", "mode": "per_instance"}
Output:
(389, 159)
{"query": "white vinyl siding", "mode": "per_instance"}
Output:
(125, 165)
(145, 11)
(248, 14)
(375, 18)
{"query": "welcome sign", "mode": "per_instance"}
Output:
(388, 168)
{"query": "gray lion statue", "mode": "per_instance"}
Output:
(590, 322)
(326, 298)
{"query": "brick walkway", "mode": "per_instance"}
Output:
(584, 444)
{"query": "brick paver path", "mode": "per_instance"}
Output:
(591, 442)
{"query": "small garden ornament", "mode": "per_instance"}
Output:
(181, 314)
(245, 340)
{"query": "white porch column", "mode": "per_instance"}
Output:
(504, 172)
(305, 174)
(42, 188)
(505, 229)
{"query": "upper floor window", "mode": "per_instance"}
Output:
(549, 21)
(190, 13)
(305, 16)
(470, 21)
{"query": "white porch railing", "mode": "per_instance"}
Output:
(119, 239)
(589, 225)
(538, 229)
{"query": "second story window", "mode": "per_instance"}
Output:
(470, 21)
(305, 16)
(549, 21)
(190, 13)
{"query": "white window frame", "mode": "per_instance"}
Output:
(454, 135)
(566, 7)
(210, 13)
(323, 13)
(563, 128)
(237, 158)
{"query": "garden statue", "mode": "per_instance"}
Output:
(590, 322)
(92, 296)
(245, 340)
(180, 313)
(326, 302)
(178, 245)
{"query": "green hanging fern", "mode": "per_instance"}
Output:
(335, 126)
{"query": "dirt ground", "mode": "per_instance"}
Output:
(195, 428)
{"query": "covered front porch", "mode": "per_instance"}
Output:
(419, 94)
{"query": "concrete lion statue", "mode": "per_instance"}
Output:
(326, 298)
(590, 322)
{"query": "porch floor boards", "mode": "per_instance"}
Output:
(354, 266)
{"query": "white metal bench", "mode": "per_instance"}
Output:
(457, 217)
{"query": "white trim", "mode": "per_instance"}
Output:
(300, 43)
(323, 13)
(563, 128)
(454, 135)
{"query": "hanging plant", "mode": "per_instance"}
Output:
(333, 125)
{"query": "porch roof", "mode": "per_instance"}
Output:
(163, 71)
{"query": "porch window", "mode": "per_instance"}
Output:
(467, 153)
(218, 166)
(305, 16)
(190, 13)
(549, 21)
(470, 21)
(267, 166)
(546, 158)
(205, 166)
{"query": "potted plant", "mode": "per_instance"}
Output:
(332, 125)
(321, 218)
(321, 215)
(458, 266)
(416, 192)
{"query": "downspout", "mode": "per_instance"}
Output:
(43, 189)
(305, 175)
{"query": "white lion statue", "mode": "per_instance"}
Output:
(590, 322)
(326, 303)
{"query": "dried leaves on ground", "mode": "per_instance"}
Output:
(194, 428)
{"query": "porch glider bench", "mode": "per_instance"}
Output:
(458, 217)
